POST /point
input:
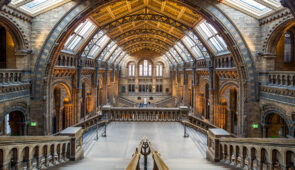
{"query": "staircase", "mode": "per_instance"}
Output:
(125, 102)
(170, 101)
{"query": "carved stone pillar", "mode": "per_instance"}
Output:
(106, 85)
(184, 87)
(212, 91)
(68, 113)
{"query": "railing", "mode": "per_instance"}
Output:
(134, 163)
(66, 60)
(145, 148)
(12, 80)
(165, 102)
(282, 78)
(159, 164)
(145, 114)
(40, 152)
(252, 153)
(126, 102)
(9, 76)
(90, 123)
(225, 61)
(199, 124)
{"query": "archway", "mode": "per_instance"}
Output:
(233, 111)
(206, 12)
(276, 126)
(62, 116)
(15, 123)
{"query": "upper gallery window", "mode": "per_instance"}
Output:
(131, 70)
(289, 47)
(159, 70)
(80, 34)
(145, 68)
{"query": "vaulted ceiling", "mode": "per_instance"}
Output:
(145, 24)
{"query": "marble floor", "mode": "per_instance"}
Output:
(114, 152)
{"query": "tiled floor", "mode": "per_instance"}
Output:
(114, 152)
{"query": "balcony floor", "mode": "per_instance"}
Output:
(114, 152)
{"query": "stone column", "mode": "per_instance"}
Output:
(112, 95)
(68, 113)
(178, 88)
(106, 85)
(185, 88)
(96, 86)
(154, 81)
(212, 79)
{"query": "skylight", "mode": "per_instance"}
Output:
(35, 7)
(35, 3)
(183, 51)
(254, 4)
(209, 33)
(81, 33)
(108, 50)
(176, 55)
(255, 8)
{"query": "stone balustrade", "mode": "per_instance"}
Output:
(66, 60)
(250, 153)
(90, 123)
(282, 78)
(40, 152)
(224, 61)
(199, 124)
(145, 114)
(10, 76)
(12, 80)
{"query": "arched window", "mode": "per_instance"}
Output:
(159, 70)
(131, 70)
(289, 47)
(140, 70)
(145, 68)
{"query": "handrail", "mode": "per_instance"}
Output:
(206, 125)
(134, 163)
(159, 163)
(195, 126)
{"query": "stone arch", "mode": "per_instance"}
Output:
(271, 116)
(66, 85)
(214, 15)
(228, 102)
(62, 99)
(20, 39)
(273, 109)
(25, 157)
(275, 33)
(13, 158)
(35, 156)
(16, 117)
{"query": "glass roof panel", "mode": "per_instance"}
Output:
(35, 3)
(193, 47)
(35, 7)
(254, 4)
(255, 8)
(212, 37)
(79, 36)
(176, 55)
